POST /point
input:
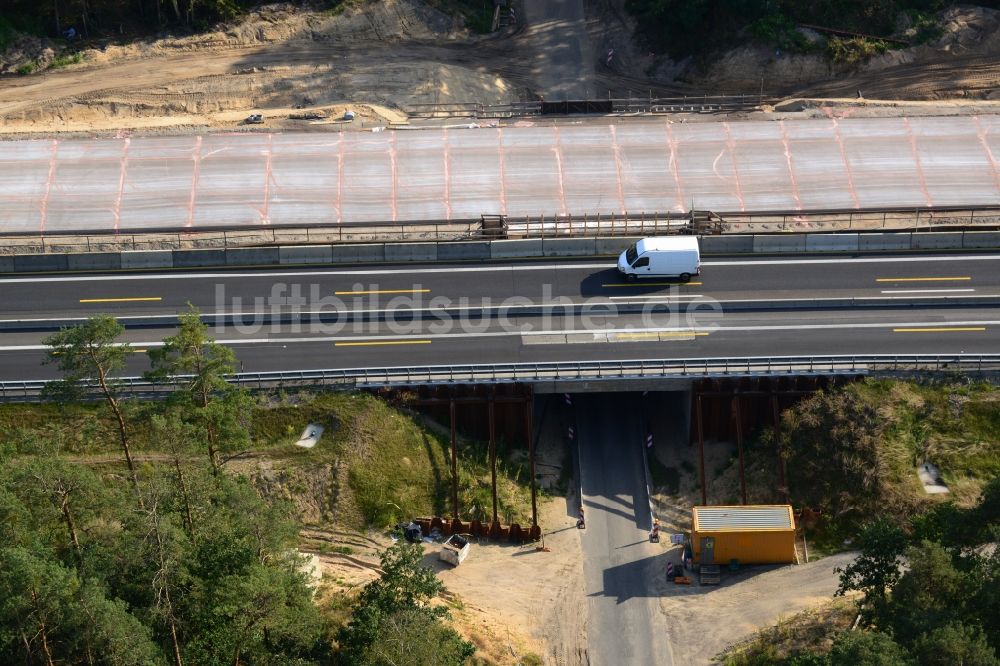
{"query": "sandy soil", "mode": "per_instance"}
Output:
(378, 57)
(508, 600)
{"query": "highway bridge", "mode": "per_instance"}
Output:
(416, 316)
(587, 167)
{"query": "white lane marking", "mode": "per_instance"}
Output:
(169, 318)
(607, 331)
(484, 269)
(278, 274)
(851, 260)
(924, 291)
(667, 297)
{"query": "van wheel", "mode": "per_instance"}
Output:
(685, 277)
(630, 277)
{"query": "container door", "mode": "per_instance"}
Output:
(708, 550)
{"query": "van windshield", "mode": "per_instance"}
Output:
(631, 255)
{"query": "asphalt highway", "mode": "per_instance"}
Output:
(478, 314)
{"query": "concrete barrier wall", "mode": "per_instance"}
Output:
(199, 258)
(777, 244)
(486, 250)
(613, 246)
(831, 242)
(569, 247)
(396, 252)
(981, 239)
(132, 259)
(883, 241)
(94, 261)
(947, 240)
(727, 244)
(463, 251)
(305, 254)
(513, 249)
(253, 256)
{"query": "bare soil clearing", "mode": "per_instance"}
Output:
(376, 57)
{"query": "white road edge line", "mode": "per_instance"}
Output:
(924, 291)
(483, 269)
(714, 329)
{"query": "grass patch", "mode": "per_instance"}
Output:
(66, 59)
(27, 68)
(396, 468)
(801, 634)
(852, 51)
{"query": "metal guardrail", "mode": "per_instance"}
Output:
(504, 226)
(503, 373)
(619, 105)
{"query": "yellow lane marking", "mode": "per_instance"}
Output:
(939, 330)
(382, 342)
(924, 279)
(382, 291)
(651, 284)
(120, 300)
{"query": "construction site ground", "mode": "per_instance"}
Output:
(381, 57)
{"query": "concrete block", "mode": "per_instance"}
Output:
(95, 261)
(253, 256)
(613, 246)
(39, 263)
(305, 254)
(513, 249)
(832, 243)
(463, 250)
(878, 241)
(937, 240)
(569, 247)
(147, 259)
(7, 264)
(735, 244)
(777, 244)
(981, 239)
(411, 252)
(358, 254)
(199, 258)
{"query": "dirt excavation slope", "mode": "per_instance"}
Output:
(391, 53)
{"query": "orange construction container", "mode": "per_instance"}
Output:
(755, 534)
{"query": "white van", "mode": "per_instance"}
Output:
(668, 256)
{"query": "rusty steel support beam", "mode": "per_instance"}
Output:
(738, 418)
(432, 402)
(529, 432)
(701, 450)
(454, 462)
(493, 452)
(754, 394)
(782, 480)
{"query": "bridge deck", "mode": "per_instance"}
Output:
(200, 182)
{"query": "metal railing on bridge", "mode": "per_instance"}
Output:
(492, 226)
(610, 370)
